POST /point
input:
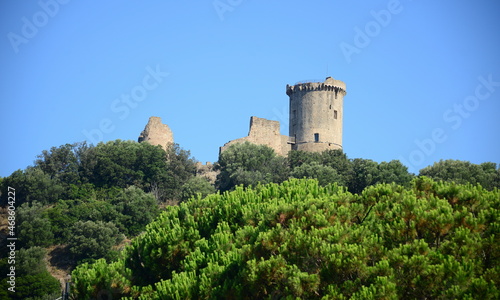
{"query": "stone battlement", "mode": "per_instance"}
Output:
(329, 84)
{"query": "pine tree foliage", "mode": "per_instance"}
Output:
(299, 239)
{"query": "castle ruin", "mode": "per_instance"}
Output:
(264, 132)
(315, 121)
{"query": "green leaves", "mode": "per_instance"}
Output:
(34, 228)
(323, 174)
(32, 280)
(301, 240)
(462, 172)
(196, 185)
(134, 210)
(92, 239)
(250, 164)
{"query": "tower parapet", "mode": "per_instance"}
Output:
(329, 84)
(316, 114)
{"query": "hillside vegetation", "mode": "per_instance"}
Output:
(299, 239)
(81, 204)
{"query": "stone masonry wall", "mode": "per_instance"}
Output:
(264, 132)
(157, 133)
(316, 114)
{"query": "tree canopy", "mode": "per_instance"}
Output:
(357, 229)
(33, 281)
(249, 164)
(301, 240)
(486, 174)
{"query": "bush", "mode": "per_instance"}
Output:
(32, 184)
(92, 240)
(33, 281)
(34, 228)
(135, 209)
(196, 185)
(31, 261)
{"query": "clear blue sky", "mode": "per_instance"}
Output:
(423, 77)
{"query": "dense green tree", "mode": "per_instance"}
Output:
(60, 163)
(66, 213)
(394, 172)
(93, 240)
(135, 209)
(197, 185)
(324, 174)
(486, 174)
(33, 281)
(33, 226)
(433, 240)
(63, 165)
(180, 168)
(249, 164)
(61, 220)
(30, 261)
(297, 158)
(338, 160)
(334, 159)
(126, 163)
(366, 172)
(130, 209)
(36, 286)
(32, 184)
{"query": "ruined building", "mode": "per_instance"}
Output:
(157, 133)
(315, 125)
(264, 132)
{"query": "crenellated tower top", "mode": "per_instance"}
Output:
(329, 84)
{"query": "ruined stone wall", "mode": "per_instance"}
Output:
(207, 171)
(157, 133)
(264, 132)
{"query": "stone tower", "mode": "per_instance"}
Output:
(316, 110)
(157, 133)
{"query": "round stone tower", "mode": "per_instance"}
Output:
(316, 110)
